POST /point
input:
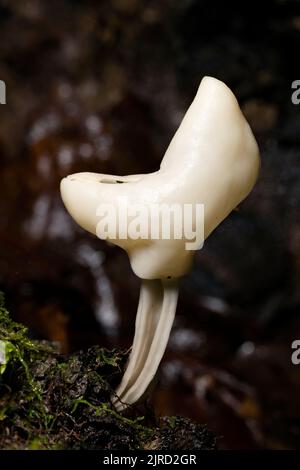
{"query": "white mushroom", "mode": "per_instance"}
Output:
(213, 160)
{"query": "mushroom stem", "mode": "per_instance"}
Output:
(158, 301)
(145, 325)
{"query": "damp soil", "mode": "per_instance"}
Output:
(53, 401)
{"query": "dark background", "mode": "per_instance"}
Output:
(102, 86)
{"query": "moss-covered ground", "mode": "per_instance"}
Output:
(52, 401)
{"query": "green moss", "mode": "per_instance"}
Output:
(42, 391)
(51, 401)
(20, 354)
